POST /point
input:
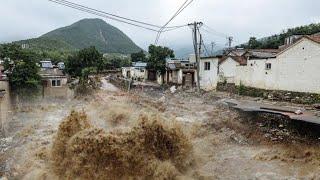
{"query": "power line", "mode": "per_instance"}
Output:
(102, 15)
(182, 7)
(214, 31)
(109, 15)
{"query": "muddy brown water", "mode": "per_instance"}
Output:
(222, 151)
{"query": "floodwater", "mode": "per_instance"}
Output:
(224, 146)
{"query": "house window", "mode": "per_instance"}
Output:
(142, 70)
(268, 66)
(207, 66)
(56, 83)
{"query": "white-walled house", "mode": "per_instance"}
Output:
(137, 71)
(295, 68)
(208, 72)
(228, 66)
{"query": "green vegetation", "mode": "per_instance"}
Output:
(89, 58)
(84, 34)
(277, 40)
(158, 56)
(24, 78)
(114, 61)
(139, 56)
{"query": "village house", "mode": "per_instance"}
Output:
(184, 72)
(227, 67)
(295, 68)
(181, 72)
(208, 72)
(137, 72)
(54, 81)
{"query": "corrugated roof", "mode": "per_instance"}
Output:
(140, 64)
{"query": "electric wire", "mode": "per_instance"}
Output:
(182, 7)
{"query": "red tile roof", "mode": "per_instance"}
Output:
(315, 38)
(239, 59)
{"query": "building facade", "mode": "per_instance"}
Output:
(208, 72)
(294, 69)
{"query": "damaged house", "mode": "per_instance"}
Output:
(181, 72)
(137, 71)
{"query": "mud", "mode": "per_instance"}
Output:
(226, 145)
(152, 149)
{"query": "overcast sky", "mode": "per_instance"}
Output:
(22, 19)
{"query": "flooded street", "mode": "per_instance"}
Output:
(224, 146)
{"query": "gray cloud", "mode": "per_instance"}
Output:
(22, 19)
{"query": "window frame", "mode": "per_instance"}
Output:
(54, 83)
(268, 66)
(207, 66)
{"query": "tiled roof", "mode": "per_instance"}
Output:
(314, 38)
(239, 59)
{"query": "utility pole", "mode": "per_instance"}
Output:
(213, 44)
(195, 26)
(230, 40)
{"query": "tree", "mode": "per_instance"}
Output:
(86, 58)
(24, 78)
(158, 56)
(139, 56)
(253, 43)
(22, 64)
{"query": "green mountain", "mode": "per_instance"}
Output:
(82, 34)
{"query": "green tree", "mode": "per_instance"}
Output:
(158, 56)
(139, 56)
(24, 78)
(253, 43)
(86, 58)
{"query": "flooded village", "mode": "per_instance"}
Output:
(85, 102)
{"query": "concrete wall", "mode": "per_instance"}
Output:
(124, 71)
(5, 107)
(256, 75)
(209, 79)
(296, 69)
(175, 77)
(135, 73)
(160, 78)
(227, 70)
(56, 92)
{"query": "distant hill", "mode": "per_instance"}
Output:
(82, 34)
(185, 51)
(273, 42)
